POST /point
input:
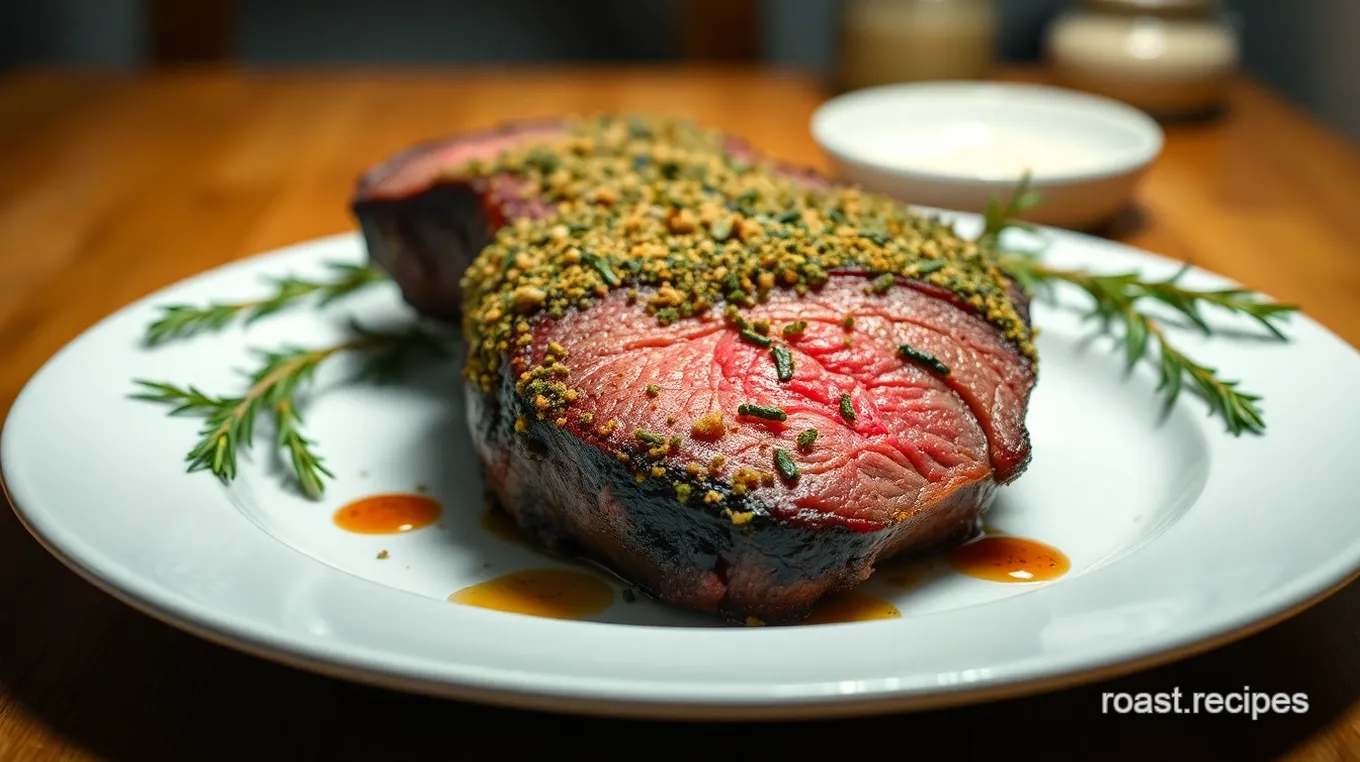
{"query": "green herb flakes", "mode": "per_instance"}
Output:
(751, 337)
(806, 438)
(649, 437)
(783, 363)
(925, 359)
(783, 463)
(761, 411)
(847, 409)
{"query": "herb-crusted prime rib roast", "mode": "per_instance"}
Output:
(729, 381)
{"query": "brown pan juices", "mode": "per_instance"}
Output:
(852, 606)
(1002, 558)
(391, 513)
(552, 593)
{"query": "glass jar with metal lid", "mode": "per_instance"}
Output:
(1171, 58)
(887, 41)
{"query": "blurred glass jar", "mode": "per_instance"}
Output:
(1171, 58)
(886, 41)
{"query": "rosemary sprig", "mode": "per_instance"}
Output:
(1115, 299)
(178, 321)
(1115, 288)
(999, 217)
(1240, 410)
(229, 421)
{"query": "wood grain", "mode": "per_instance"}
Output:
(114, 187)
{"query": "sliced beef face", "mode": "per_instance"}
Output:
(424, 222)
(914, 468)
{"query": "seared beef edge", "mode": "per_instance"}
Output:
(426, 241)
(575, 499)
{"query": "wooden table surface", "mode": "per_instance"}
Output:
(112, 187)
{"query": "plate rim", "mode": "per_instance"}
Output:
(1302, 592)
(815, 708)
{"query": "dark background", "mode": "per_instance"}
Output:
(1307, 49)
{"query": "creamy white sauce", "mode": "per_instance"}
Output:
(983, 150)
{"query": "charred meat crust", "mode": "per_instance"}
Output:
(576, 499)
(424, 226)
(426, 242)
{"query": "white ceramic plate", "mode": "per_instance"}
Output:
(1180, 537)
(958, 145)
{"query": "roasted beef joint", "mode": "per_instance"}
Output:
(729, 381)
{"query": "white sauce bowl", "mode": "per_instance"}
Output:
(955, 145)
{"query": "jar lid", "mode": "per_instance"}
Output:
(1169, 7)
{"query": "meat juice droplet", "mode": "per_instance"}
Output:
(388, 514)
(1002, 558)
(851, 607)
(552, 593)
